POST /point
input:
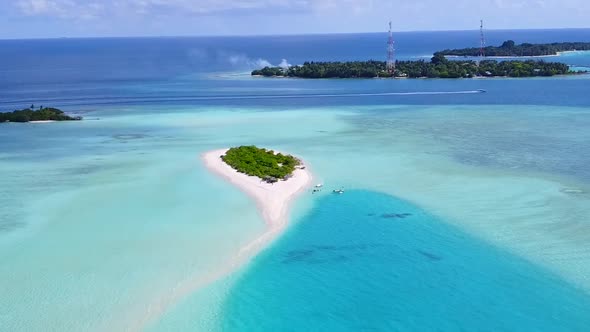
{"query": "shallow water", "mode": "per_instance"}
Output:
(103, 219)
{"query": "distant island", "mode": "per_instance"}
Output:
(265, 164)
(40, 114)
(438, 67)
(510, 49)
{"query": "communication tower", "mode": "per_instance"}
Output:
(390, 53)
(482, 41)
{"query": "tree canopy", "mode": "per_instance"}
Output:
(41, 114)
(438, 67)
(262, 163)
(510, 48)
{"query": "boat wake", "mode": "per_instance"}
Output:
(103, 100)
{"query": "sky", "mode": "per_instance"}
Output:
(109, 18)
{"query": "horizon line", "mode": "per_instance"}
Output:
(279, 35)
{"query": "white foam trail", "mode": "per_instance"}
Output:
(149, 99)
(328, 95)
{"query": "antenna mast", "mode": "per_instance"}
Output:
(390, 53)
(482, 41)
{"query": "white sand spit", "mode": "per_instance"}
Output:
(273, 201)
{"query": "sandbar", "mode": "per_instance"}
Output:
(273, 202)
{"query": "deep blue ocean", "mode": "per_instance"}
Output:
(463, 211)
(87, 73)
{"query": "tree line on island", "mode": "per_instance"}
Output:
(39, 114)
(510, 49)
(265, 164)
(437, 67)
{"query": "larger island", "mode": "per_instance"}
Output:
(510, 49)
(437, 67)
(441, 67)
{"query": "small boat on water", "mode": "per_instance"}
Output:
(338, 191)
(317, 188)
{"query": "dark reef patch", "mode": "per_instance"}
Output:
(429, 255)
(395, 215)
(326, 253)
(125, 137)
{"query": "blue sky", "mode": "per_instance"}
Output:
(84, 18)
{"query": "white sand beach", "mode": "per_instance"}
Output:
(272, 199)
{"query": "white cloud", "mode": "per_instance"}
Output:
(216, 6)
(240, 60)
(351, 6)
(105, 8)
(284, 64)
(41, 7)
(61, 8)
(262, 16)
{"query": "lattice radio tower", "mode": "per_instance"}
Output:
(482, 41)
(390, 53)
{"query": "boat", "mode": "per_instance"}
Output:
(319, 185)
(338, 191)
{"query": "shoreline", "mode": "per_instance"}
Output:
(273, 202)
(558, 54)
(506, 56)
(419, 78)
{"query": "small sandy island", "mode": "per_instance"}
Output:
(273, 200)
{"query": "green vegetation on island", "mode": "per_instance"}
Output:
(41, 114)
(438, 67)
(262, 163)
(510, 49)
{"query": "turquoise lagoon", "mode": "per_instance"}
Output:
(463, 211)
(112, 230)
(505, 246)
(388, 265)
